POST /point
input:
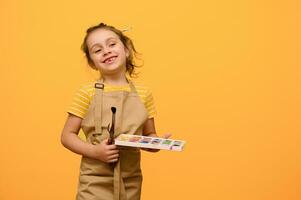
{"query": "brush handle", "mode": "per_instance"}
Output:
(112, 131)
(111, 140)
(113, 164)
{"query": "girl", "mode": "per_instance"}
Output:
(110, 52)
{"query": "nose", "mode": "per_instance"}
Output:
(106, 51)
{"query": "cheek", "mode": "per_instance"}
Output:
(94, 58)
(123, 53)
(94, 63)
(123, 58)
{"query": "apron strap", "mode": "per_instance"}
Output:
(119, 188)
(99, 86)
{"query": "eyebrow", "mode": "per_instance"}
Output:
(108, 39)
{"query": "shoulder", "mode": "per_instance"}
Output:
(87, 89)
(142, 89)
(81, 100)
(146, 96)
(145, 93)
(85, 92)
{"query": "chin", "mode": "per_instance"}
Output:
(114, 67)
(112, 70)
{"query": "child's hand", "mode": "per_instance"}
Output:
(165, 136)
(106, 152)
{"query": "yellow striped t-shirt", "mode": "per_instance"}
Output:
(81, 101)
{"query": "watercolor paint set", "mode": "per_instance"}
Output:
(149, 142)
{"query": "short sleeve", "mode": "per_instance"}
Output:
(80, 103)
(150, 104)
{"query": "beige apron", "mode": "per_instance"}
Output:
(98, 180)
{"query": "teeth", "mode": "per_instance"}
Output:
(110, 59)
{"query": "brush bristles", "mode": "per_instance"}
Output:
(113, 110)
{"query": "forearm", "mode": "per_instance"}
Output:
(72, 142)
(149, 128)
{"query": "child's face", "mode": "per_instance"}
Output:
(107, 51)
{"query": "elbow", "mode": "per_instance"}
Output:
(63, 139)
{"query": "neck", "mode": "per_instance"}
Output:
(115, 79)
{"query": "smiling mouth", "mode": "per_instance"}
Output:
(110, 60)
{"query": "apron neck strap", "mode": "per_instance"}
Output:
(99, 87)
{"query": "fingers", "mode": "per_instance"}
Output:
(150, 150)
(108, 146)
(112, 152)
(166, 135)
(108, 152)
(111, 147)
(112, 161)
(113, 157)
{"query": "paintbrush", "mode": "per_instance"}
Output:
(112, 129)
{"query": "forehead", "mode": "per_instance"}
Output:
(100, 36)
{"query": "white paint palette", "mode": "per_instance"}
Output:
(149, 142)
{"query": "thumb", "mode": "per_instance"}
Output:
(105, 141)
(166, 135)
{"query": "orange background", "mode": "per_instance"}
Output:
(225, 76)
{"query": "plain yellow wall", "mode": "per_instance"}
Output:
(225, 76)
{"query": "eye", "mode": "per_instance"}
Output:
(112, 44)
(97, 51)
